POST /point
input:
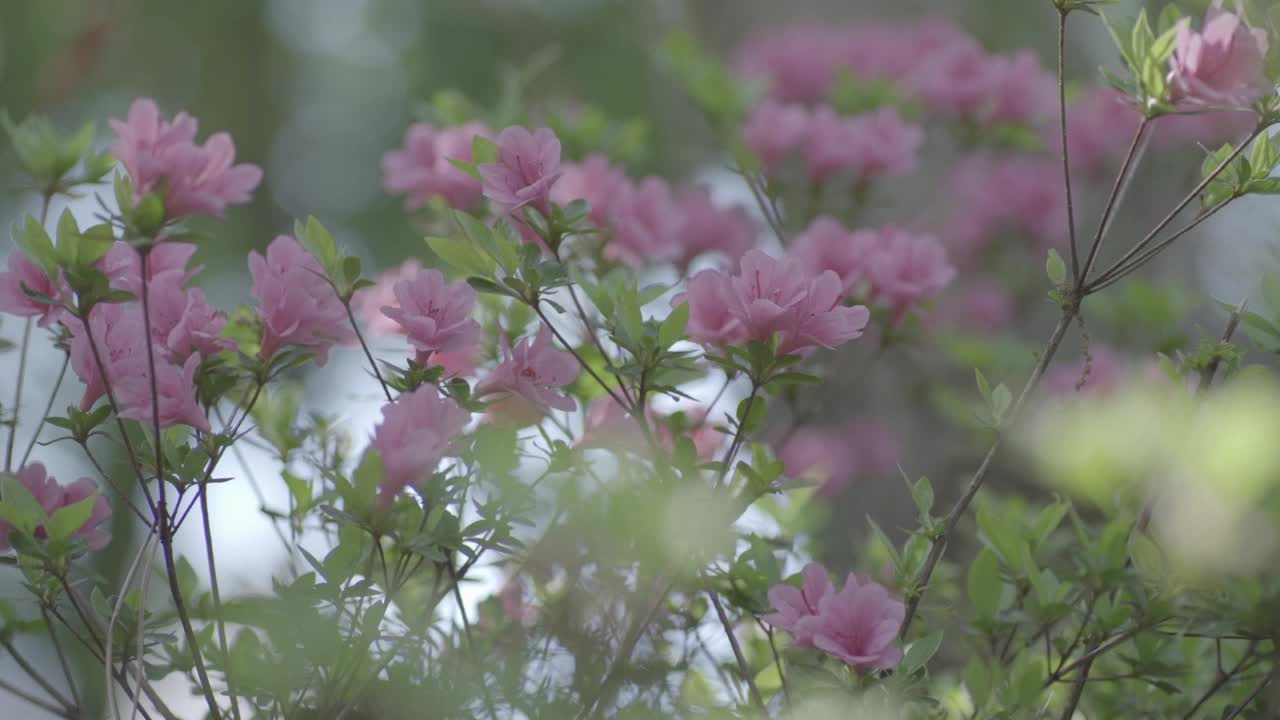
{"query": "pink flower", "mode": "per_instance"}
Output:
(771, 296)
(531, 372)
(799, 64)
(435, 315)
(984, 305)
(528, 165)
(773, 131)
(711, 320)
(369, 301)
(123, 264)
(835, 457)
(175, 391)
(610, 426)
(421, 169)
(1100, 125)
(793, 607)
(52, 497)
(827, 245)
(955, 80)
(162, 155)
(594, 180)
(297, 304)
(23, 273)
(1021, 91)
(904, 270)
(866, 147)
(1224, 64)
(857, 625)
(995, 194)
(645, 223)
(416, 432)
(182, 321)
(705, 228)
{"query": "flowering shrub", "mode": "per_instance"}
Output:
(614, 394)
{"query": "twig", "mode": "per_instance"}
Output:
(1206, 375)
(1077, 686)
(365, 346)
(1120, 270)
(1221, 681)
(17, 394)
(53, 395)
(743, 667)
(1251, 696)
(62, 658)
(1113, 201)
(35, 675)
(953, 516)
(38, 702)
(1066, 162)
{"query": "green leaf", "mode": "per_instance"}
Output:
(483, 150)
(750, 414)
(462, 256)
(315, 238)
(985, 587)
(1056, 268)
(37, 245)
(919, 652)
(672, 329)
(19, 507)
(1001, 400)
(984, 387)
(922, 494)
(68, 519)
(977, 679)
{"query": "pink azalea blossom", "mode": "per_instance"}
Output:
(120, 335)
(994, 194)
(985, 305)
(53, 497)
(175, 391)
(1223, 64)
(858, 625)
(645, 224)
(435, 315)
(368, 302)
(954, 81)
(162, 155)
(531, 372)
(836, 457)
(800, 64)
(1021, 91)
(23, 273)
(594, 180)
(421, 169)
(297, 304)
(773, 131)
(827, 245)
(182, 321)
(514, 606)
(865, 147)
(416, 432)
(123, 264)
(528, 166)
(793, 607)
(1100, 125)
(609, 425)
(904, 270)
(771, 296)
(706, 228)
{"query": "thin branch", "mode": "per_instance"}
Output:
(35, 675)
(365, 346)
(1206, 375)
(1112, 201)
(952, 518)
(1077, 686)
(537, 308)
(36, 701)
(62, 658)
(1123, 269)
(743, 667)
(48, 408)
(1066, 161)
(1168, 219)
(1251, 696)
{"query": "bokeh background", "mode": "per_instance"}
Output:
(315, 91)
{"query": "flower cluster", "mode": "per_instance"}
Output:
(296, 301)
(863, 148)
(857, 624)
(162, 156)
(1223, 64)
(836, 457)
(422, 169)
(52, 496)
(769, 296)
(417, 430)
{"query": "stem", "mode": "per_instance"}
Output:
(365, 346)
(743, 667)
(1168, 219)
(62, 658)
(38, 702)
(1220, 682)
(1122, 269)
(953, 517)
(1252, 696)
(166, 531)
(1112, 202)
(1066, 162)
(17, 394)
(35, 675)
(537, 308)
(471, 642)
(48, 408)
(1077, 687)
(217, 603)
(1206, 375)
(739, 436)
(1090, 655)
